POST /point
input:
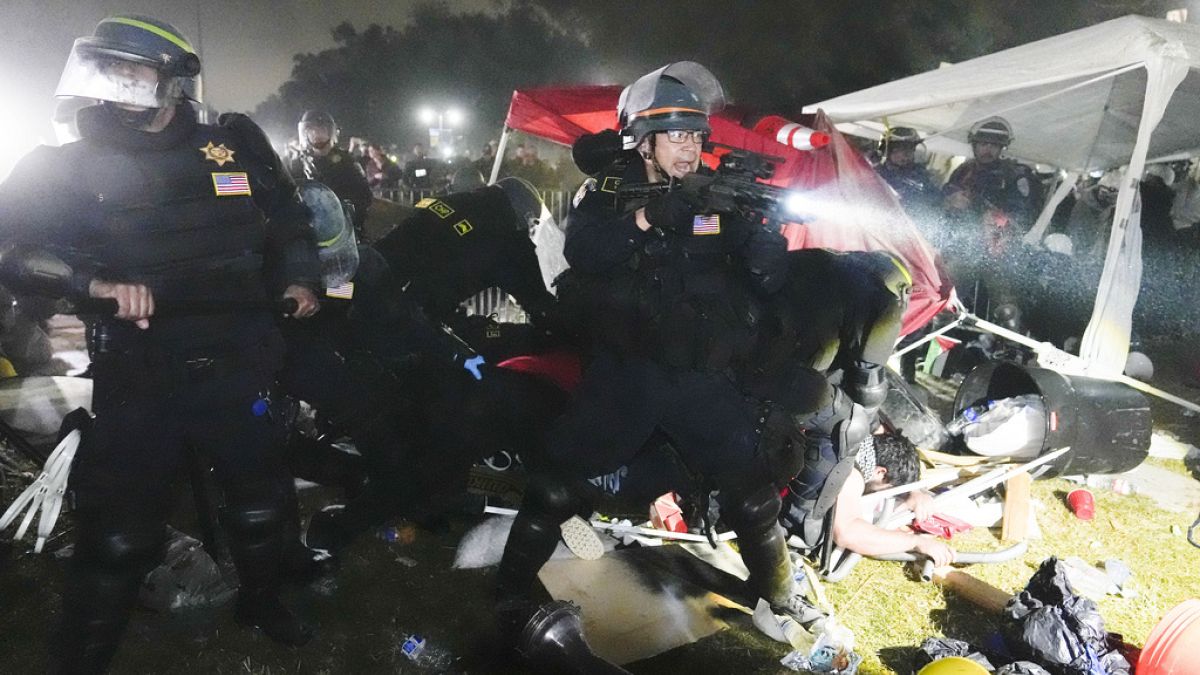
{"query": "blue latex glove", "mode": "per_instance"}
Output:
(472, 366)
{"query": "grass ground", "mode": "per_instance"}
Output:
(385, 591)
(892, 614)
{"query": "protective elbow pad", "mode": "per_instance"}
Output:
(866, 384)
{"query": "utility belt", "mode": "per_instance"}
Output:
(111, 347)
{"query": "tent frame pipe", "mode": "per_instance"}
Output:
(1077, 365)
(500, 147)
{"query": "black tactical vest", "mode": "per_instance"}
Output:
(182, 220)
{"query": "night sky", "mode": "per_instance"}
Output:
(247, 47)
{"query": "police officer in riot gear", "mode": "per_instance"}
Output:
(319, 158)
(155, 210)
(913, 185)
(452, 248)
(669, 287)
(990, 182)
(457, 245)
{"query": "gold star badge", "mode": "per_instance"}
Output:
(218, 153)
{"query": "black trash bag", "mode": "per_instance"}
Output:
(187, 578)
(1022, 668)
(1058, 629)
(933, 649)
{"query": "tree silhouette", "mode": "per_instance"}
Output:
(374, 81)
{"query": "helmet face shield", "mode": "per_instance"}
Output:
(96, 73)
(677, 96)
(317, 130)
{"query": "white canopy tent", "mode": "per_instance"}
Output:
(1120, 93)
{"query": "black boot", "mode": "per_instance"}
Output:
(263, 610)
(754, 515)
(113, 553)
(256, 545)
(96, 608)
(531, 541)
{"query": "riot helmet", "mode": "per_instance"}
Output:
(995, 130)
(131, 60)
(526, 202)
(321, 124)
(898, 136)
(337, 247)
(678, 96)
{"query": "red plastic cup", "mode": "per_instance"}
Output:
(1082, 503)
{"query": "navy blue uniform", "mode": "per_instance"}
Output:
(672, 314)
(195, 212)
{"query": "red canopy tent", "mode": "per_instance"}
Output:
(851, 208)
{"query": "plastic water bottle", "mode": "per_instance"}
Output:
(413, 648)
(966, 417)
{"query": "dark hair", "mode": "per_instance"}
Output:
(897, 454)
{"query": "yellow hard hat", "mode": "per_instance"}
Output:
(953, 665)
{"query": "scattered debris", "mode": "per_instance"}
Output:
(831, 652)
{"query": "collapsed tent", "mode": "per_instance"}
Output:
(849, 207)
(1119, 93)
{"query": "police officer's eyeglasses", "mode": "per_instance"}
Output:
(680, 136)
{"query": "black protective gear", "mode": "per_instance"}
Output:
(525, 201)
(146, 40)
(677, 96)
(674, 212)
(112, 556)
(256, 545)
(991, 130)
(93, 69)
(39, 272)
(264, 611)
(594, 152)
(548, 502)
(458, 245)
(754, 516)
(894, 136)
(318, 119)
(681, 300)
(866, 383)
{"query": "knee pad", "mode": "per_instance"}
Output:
(752, 510)
(553, 497)
(139, 549)
(253, 518)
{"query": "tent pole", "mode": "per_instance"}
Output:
(1023, 104)
(1039, 228)
(499, 155)
(1105, 344)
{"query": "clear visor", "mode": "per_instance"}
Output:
(104, 76)
(546, 219)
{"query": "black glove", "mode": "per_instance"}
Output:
(673, 211)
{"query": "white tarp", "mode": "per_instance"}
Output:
(1119, 93)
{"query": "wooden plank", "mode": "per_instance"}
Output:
(1015, 526)
(979, 593)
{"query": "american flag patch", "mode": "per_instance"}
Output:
(710, 224)
(231, 183)
(343, 292)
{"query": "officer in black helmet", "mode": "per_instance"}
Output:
(319, 158)
(155, 210)
(452, 248)
(668, 288)
(460, 244)
(989, 181)
(913, 185)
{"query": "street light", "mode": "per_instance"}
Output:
(451, 116)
